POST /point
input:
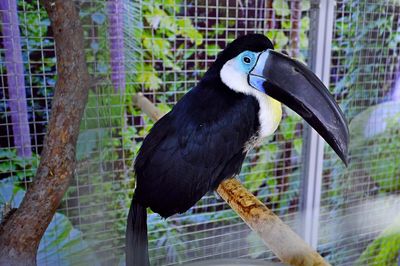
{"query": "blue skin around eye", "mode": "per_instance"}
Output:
(246, 67)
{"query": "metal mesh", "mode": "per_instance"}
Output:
(359, 202)
(165, 47)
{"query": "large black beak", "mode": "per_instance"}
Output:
(293, 84)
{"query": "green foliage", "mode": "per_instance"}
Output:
(374, 137)
(101, 184)
(61, 243)
(384, 250)
(278, 38)
(94, 14)
(16, 167)
(281, 8)
(177, 238)
(364, 49)
(149, 76)
(104, 109)
(359, 37)
(260, 171)
(375, 134)
(161, 29)
(34, 23)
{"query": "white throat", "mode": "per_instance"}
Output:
(270, 113)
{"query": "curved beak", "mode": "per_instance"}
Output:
(293, 84)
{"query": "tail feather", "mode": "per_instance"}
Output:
(137, 253)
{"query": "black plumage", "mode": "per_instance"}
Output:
(190, 150)
(200, 142)
(193, 148)
(204, 139)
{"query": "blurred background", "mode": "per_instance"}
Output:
(162, 48)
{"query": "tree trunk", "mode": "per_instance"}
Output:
(116, 37)
(15, 77)
(21, 233)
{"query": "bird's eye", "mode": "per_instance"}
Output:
(246, 59)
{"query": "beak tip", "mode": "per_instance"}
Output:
(342, 148)
(344, 155)
(340, 145)
(345, 160)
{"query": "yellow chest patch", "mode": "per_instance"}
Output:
(270, 115)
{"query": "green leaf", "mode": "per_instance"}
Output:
(159, 19)
(305, 5)
(148, 77)
(384, 250)
(298, 145)
(7, 167)
(89, 140)
(159, 47)
(216, 30)
(286, 24)
(61, 243)
(187, 29)
(188, 53)
(305, 24)
(278, 38)
(103, 109)
(281, 8)
(175, 4)
(303, 41)
(64, 244)
(170, 64)
(164, 108)
(7, 153)
(288, 128)
(213, 49)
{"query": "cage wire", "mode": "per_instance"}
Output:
(162, 48)
(359, 202)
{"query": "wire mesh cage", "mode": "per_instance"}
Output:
(359, 202)
(162, 48)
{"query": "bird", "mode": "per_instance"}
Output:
(204, 139)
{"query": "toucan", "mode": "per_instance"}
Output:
(207, 134)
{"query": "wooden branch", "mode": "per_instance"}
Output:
(21, 233)
(285, 243)
(147, 107)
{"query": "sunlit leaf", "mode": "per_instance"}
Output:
(281, 7)
(149, 78)
(278, 38)
(187, 29)
(213, 49)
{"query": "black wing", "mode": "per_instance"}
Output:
(193, 148)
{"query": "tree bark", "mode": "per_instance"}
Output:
(15, 77)
(21, 233)
(116, 33)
